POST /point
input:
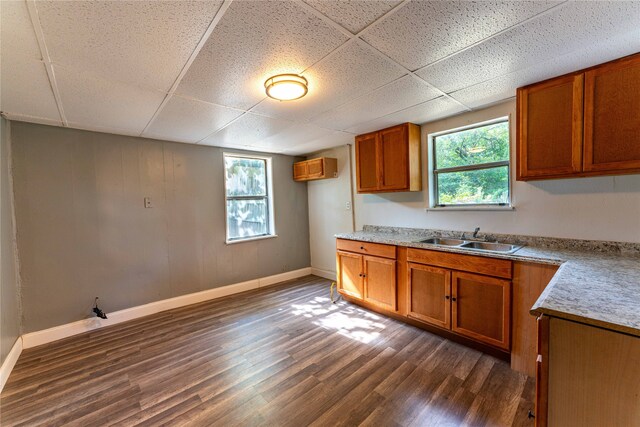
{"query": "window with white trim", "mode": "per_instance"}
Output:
(248, 197)
(471, 166)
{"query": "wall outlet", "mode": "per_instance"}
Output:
(347, 206)
(147, 202)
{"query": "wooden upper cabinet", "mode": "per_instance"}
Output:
(550, 128)
(612, 116)
(428, 295)
(367, 162)
(389, 160)
(320, 168)
(481, 308)
(582, 124)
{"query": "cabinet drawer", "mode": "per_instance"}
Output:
(366, 248)
(470, 263)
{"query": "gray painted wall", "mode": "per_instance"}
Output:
(83, 231)
(9, 297)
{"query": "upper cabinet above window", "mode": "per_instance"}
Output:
(586, 123)
(388, 160)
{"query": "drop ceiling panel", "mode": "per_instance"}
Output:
(422, 32)
(398, 95)
(254, 40)
(354, 15)
(429, 111)
(294, 136)
(141, 42)
(187, 120)
(94, 102)
(334, 139)
(504, 87)
(350, 72)
(17, 36)
(26, 90)
(570, 27)
(247, 131)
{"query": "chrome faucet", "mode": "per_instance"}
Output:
(475, 234)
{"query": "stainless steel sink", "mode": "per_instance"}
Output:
(443, 242)
(491, 246)
(504, 248)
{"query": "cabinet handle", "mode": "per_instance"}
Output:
(362, 248)
(453, 298)
(446, 297)
(360, 274)
(364, 275)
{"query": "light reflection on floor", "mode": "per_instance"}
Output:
(347, 320)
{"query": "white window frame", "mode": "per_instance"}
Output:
(432, 171)
(269, 187)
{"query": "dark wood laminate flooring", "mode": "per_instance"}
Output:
(282, 355)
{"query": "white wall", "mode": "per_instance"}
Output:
(606, 208)
(328, 214)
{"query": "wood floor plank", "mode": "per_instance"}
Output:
(282, 355)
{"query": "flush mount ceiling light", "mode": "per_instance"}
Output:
(286, 87)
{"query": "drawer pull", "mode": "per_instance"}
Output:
(362, 248)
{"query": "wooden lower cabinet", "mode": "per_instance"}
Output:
(380, 282)
(365, 277)
(481, 308)
(471, 305)
(350, 280)
(429, 294)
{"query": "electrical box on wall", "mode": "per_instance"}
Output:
(147, 202)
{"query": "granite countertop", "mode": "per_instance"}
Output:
(597, 283)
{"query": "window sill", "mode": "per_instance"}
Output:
(250, 239)
(472, 208)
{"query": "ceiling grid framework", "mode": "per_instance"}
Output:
(370, 65)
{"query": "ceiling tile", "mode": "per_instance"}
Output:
(26, 90)
(354, 15)
(187, 120)
(424, 31)
(17, 36)
(570, 27)
(504, 87)
(93, 102)
(294, 136)
(398, 95)
(253, 41)
(248, 131)
(334, 139)
(419, 114)
(350, 72)
(141, 42)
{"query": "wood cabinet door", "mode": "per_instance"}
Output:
(380, 282)
(428, 295)
(394, 159)
(481, 308)
(315, 168)
(612, 116)
(350, 274)
(549, 128)
(300, 171)
(367, 167)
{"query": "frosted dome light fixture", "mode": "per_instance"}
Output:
(286, 87)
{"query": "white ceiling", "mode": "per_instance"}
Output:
(193, 71)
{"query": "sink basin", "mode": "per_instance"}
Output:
(493, 247)
(443, 242)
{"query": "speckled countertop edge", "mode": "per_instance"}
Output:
(597, 283)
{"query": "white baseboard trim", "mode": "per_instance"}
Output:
(45, 336)
(331, 275)
(10, 362)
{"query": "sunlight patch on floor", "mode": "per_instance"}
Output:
(347, 320)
